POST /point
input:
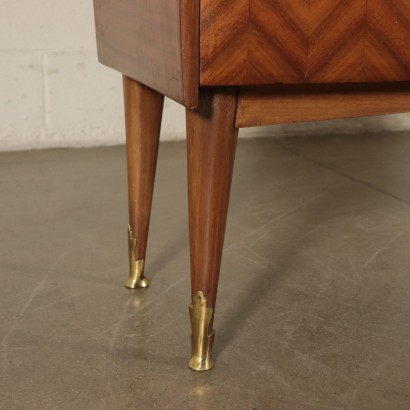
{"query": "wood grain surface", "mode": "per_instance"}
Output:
(143, 115)
(286, 104)
(246, 42)
(211, 139)
(155, 42)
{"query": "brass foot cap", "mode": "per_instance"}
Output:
(200, 367)
(133, 283)
(205, 362)
(201, 340)
(137, 278)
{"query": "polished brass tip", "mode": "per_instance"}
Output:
(201, 340)
(136, 279)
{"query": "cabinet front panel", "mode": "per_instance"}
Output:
(304, 41)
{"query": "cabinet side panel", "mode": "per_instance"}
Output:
(144, 40)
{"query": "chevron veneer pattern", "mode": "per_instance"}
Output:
(304, 41)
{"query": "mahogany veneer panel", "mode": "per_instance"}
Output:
(155, 42)
(286, 104)
(304, 41)
(388, 56)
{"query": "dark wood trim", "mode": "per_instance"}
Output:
(190, 51)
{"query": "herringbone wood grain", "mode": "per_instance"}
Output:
(218, 51)
(304, 41)
(388, 40)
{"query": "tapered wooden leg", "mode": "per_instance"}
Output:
(211, 142)
(143, 114)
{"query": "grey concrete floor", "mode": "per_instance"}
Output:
(314, 302)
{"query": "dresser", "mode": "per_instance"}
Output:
(235, 64)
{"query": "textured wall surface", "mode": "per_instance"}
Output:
(53, 92)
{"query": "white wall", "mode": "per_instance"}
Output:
(54, 93)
